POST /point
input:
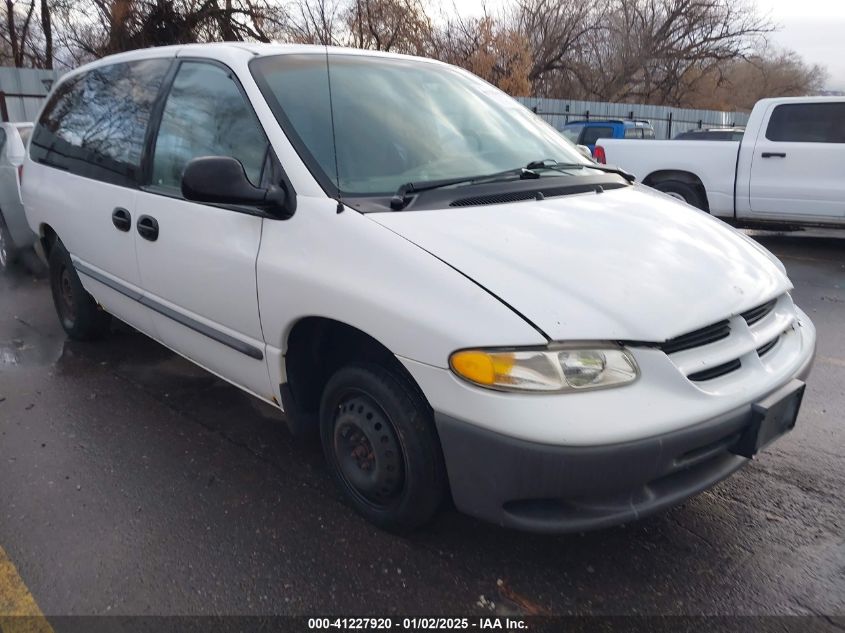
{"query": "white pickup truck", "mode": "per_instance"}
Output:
(788, 169)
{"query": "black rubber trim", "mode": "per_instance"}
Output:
(717, 371)
(111, 283)
(760, 312)
(152, 304)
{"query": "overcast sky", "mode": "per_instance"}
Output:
(813, 28)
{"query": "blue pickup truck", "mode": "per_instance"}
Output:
(588, 132)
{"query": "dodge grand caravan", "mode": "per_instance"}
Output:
(413, 265)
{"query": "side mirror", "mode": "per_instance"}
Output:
(222, 180)
(585, 151)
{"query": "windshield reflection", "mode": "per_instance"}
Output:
(401, 120)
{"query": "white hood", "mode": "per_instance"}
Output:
(626, 264)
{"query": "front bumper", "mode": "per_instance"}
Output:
(554, 489)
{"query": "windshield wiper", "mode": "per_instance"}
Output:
(400, 199)
(550, 163)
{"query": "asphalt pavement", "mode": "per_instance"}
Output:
(132, 482)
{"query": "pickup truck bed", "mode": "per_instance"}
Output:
(787, 170)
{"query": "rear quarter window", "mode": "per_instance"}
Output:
(95, 124)
(592, 134)
(807, 123)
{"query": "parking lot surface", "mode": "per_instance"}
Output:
(133, 482)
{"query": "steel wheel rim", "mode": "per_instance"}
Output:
(368, 454)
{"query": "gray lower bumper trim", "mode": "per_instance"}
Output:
(555, 489)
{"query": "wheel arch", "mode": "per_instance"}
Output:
(47, 237)
(314, 348)
(680, 175)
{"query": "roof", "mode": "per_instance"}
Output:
(249, 49)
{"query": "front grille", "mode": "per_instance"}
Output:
(715, 372)
(768, 346)
(705, 335)
(756, 314)
(720, 348)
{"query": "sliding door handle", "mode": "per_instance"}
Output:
(121, 219)
(774, 154)
(148, 228)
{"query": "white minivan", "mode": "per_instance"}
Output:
(406, 260)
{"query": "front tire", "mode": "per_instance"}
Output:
(682, 191)
(8, 251)
(381, 446)
(79, 314)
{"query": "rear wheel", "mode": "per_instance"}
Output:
(379, 440)
(8, 252)
(79, 314)
(682, 191)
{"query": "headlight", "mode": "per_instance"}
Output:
(550, 370)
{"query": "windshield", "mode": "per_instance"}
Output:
(401, 120)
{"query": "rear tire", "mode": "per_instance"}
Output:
(381, 446)
(682, 191)
(8, 251)
(79, 314)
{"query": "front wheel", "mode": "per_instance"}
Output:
(79, 314)
(682, 191)
(8, 252)
(381, 445)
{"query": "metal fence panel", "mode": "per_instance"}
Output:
(667, 121)
(24, 90)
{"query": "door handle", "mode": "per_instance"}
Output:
(774, 155)
(148, 228)
(121, 219)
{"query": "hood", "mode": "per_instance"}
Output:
(626, 264)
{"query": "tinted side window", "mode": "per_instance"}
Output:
(206, 115)
(592, 134)
(807, 123)
(95, 123)
(2, 139)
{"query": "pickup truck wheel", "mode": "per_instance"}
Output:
(682, 191)
(379, 440)
(79, 314)
(8, 252)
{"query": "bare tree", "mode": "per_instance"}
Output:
(488, 48)
(645, 50)
(314, 22)
(17, 32)
(389, 25)
(556, 30)
(47, 30)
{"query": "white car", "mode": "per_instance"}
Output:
(15, 234)
(406, 260)
(784, 171)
